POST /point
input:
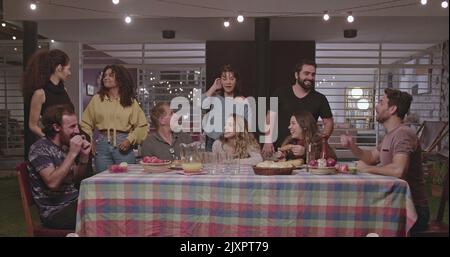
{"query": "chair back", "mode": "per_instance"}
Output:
(430, 133)
(25, 193)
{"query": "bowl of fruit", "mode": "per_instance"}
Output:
(118, 168)
(154, 164)
(323, 166)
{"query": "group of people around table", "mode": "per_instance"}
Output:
(62, 152)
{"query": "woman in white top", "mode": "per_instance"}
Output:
(237, 141)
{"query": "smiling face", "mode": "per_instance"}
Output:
(68, 129)
(229, 130)
(228, 82)
(382, 109)
(294, 128)
(109, 79)
(306, 77)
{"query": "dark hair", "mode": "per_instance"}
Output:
(156, 113)
(53, 115)
(127, 88)
(40, 67)
(237, 89)
(400, 99)
(299, 65)
(307, 122)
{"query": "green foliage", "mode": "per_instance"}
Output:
(438, 173)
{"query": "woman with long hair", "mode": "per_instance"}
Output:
(304, 130)
(228, 85)
(43, 85)
(116, 114)
(237, 141)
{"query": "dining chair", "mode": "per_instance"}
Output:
(437, 228)
(33, 230)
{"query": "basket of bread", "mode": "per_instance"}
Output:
(269, 168)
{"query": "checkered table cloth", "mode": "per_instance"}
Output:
(243, 205)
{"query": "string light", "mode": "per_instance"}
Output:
(444, 4)
(128, 19)
(3, 24)
(350, 17)
(116, 2)
(240, 18)
(14, 38)
(33, 6)
(423, 2)
(52, 40)
(226, 23)
(326, 16)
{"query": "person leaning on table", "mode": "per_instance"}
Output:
(399, 154)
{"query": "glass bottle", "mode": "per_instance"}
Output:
(324, 154)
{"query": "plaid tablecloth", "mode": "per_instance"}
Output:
(243, 205)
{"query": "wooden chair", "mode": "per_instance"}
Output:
(431, 134)
(27, 202)
(437, 228)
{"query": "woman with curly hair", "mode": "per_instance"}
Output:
(237, 141)
(116, 114)
(43, 86)
(303, 129)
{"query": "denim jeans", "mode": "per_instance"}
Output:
(108, 155)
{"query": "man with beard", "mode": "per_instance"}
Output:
(399, 154)
(301, 96)
(56, 162)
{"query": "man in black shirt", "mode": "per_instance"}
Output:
(300, 96)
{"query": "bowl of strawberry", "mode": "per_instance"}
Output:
(119, 168)
(154, 164)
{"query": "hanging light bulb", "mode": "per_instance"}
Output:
(326, 16)
(33, 5)
(116, 2)
(350, 17)
(128, 19)
(423, 2)
(226, 23)
(444, 4)
(240, 18)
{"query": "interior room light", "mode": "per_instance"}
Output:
(326, 16)
(14, 38)
(127, 19)
(116, 2)
(240, 18)
(444, 4)
(423, 2)
(350, 18)
(363, 104)
(3, 24)
(356, 92)
(52, 40)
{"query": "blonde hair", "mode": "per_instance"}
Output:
(244, 141)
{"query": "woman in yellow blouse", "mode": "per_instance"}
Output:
(116, 114)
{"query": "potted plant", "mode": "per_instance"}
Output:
(437, 178)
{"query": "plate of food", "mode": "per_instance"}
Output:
(118, 168)
(176, 165)
(269, 168)
(154, 164)
(323, 166)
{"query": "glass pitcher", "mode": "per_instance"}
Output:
(191, 157)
